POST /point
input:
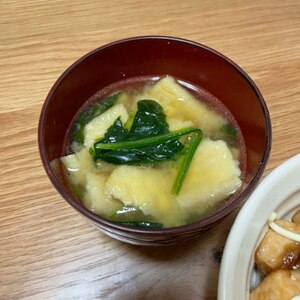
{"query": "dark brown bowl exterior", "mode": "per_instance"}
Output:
(156, 55)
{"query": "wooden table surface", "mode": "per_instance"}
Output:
(47, 250)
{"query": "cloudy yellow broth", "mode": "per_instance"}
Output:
(126, 193)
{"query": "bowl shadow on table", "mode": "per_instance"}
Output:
(198, 257)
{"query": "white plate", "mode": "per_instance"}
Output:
(279, 192)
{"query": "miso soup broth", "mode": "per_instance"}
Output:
(146, 152)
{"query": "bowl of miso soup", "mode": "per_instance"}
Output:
(154, 139)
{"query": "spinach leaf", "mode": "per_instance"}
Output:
(115, 133)
(141, 155)
(142, 224)
(148, 141)
(90, 113)
(230, 130)
(149, 120)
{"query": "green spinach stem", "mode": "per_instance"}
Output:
(186, 161)
(147, 141)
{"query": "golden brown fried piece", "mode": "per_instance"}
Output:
(278, 252)
(296, 217)
(278, 285)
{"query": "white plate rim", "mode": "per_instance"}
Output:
(235, 243)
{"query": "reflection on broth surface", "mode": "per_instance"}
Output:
(151, 154)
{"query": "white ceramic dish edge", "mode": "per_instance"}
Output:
(237, 261)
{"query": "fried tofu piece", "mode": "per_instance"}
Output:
(96, 200)
(178, 103)
(77, 165)
(212, 176)
(278, 285)
(296, 217)
(98, 126)
(148, 189)
(278, 252)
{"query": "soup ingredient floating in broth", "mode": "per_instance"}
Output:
(80, 131)
(148, 141)
(153, 157)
